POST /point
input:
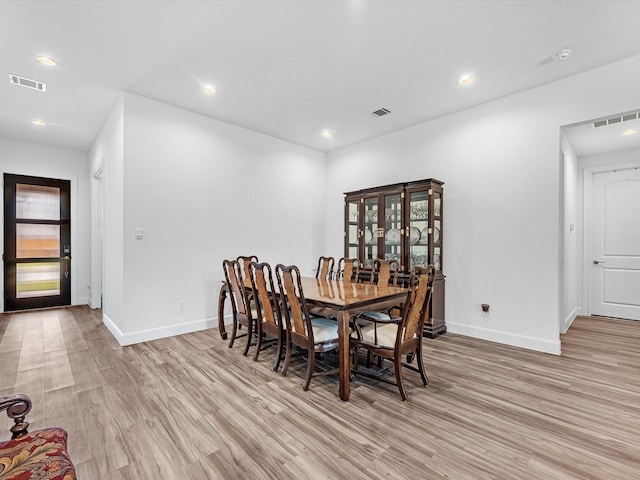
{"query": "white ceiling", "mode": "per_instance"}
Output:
(292, 68)
(586, 139)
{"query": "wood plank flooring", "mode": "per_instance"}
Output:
(188, 407)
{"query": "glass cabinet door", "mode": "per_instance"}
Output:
(352, 233)
(437, 229)
(370, 231)
(418, 227)
(393, 228)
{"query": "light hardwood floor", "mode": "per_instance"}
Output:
(188, 407)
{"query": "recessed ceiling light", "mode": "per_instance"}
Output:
(326, 133)
(209, 89)
(48, 61)
(466, 79)
(561, 56)
(630, 131)
(38, 123)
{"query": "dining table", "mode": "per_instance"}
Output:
(341, 299)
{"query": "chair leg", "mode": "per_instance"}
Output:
(258, 340)
(310, 367)
(234, 330)
(397, 363)
(423, 373)
(287, 358)
(276, 363)
(249, 338)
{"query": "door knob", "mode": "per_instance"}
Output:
(596, 262)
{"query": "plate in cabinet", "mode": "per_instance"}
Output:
(393, 236)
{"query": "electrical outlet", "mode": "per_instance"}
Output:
(181, 306)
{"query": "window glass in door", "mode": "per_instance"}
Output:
(371, 231)
(393, 229)
(37, 256)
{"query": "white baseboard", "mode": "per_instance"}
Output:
(569, 320)
(156, 333)
(82, 301)
(531, 343)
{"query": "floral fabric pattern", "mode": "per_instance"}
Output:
(40, 455)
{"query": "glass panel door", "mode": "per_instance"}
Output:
(37, 234)
(418, 229)
(437, 230)
(353, 233)
(393, 229)
(371, 232)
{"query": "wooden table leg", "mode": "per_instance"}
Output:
(343, 349)
(224, 290)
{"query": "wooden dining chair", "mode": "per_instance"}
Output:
(398, 337)
(348, 269)
(242, 311)
(268, 314)
(385, 272)
(325, 267)
(315, 334)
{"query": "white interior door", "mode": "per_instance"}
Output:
(615, 244)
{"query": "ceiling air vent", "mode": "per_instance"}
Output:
(616, 119)
(381, 112)
(27, 82)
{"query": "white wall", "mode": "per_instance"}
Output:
(500, 163)
(41, 161)
(571, 233)
(202, 190)
(107, 153)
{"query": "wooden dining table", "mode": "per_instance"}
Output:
(343, 299)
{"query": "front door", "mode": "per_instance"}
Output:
(37, 242)
(615, 244)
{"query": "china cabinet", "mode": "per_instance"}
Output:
(402, 222)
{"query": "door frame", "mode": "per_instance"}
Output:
(73, 179)
(587, 191)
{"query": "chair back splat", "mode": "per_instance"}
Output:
(244, 262)
(325, 267)
(385, 272)
(348, 269)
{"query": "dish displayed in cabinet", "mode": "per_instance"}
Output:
(424, 236)
(392, 236)
(424, 239)
(368, 236)
(414, 235)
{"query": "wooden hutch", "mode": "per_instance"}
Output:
(403, 222)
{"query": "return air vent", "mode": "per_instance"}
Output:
(616, 119)
(27, 82)
(381, 112)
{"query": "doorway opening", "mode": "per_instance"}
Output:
(599, 215)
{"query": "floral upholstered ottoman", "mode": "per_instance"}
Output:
(40, 455)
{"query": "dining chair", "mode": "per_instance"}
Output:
(348, 269)
(325, 267)
(385, 272)
(241, 306)
(315, 334)
(268, 315)
(398, 337)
